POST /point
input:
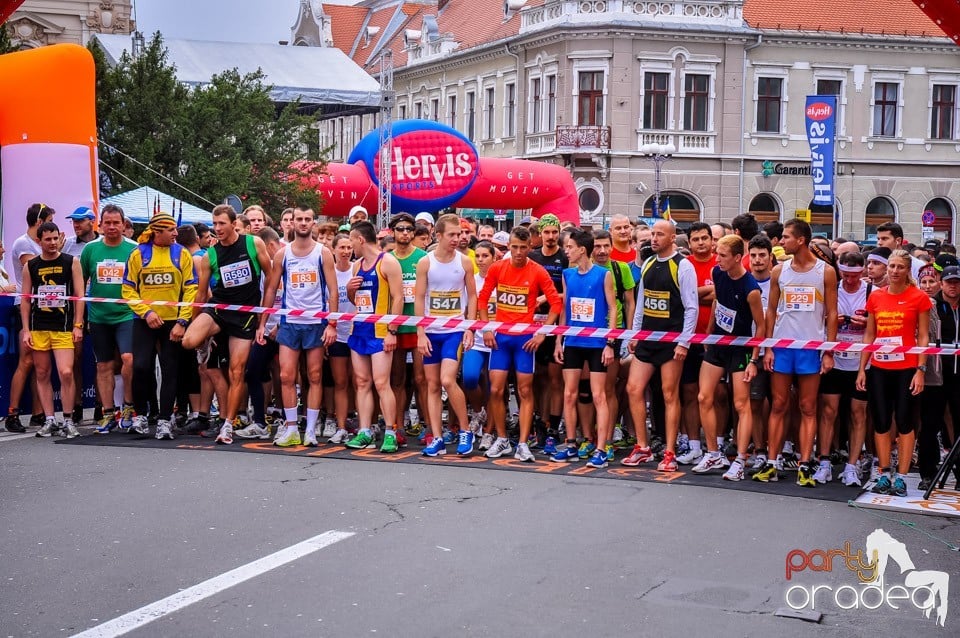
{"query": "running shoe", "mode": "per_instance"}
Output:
(329, 428)
(401, 438)
(523, 453)
(465, 447)
(141, 425)
(13, 423)
(787, 447)
(730, 450)
(617, 434)
(106, 423)
(637, 456)
(436, 448)
(598, 460)
(657, 444)
(288, 436)
(164, 431)
(486, 442)
(49, 428)
(36, 420)
(586, 450)
(768, 474)
(363, 439)
(790, 461)
(226, 435)
(567, 454)
(823, 474)
(126, 417)
(204, 350)
(448, 436)
(925, 484)
(389, 444)
(669, 462)
(734, 472)
(805, 476)
(422, 437)
(710, 461)
(691, 457)
(338, 437)
(610, 452)
(883, 485)
(864, 463)
(194, 425)
(253, 431)
(550, 446)
(850, 476)
(499, 448)
(683, 446)
(77, 416)
(759, 462)
(413, 429)
(70, 431)
(310, 438)
(899, 487)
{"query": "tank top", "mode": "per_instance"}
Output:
(849, 304)
(304, 284)
(800, 311)
(408, 273)
(237, 274)
(585, 304)
(51, 277)
(344, 327)
(371, 298)
(491, 313)
(731, 315)
(446, 295)
(662, 305)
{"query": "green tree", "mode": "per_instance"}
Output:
(6, 45)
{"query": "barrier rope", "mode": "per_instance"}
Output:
(529, 328)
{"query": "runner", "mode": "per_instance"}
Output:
(517, 283)
(158, 269)
(445, 288)
(621, 232)
(375, 288)
(47, 319)
(803, 305)
(477, 358)
(877, 267)
(339, 353)
(305, 270)
(230, 273)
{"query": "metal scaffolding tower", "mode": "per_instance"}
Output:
(385, 174)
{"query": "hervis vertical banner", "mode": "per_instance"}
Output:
(821, 118)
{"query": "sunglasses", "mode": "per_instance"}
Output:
(403, 229)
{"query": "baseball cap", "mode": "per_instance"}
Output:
(501, 238)
(932, 245)
(950, 273)
(357, 209)
(945, 260)
(424, 217)
(82, 212)
(526, 221)
(344, 228)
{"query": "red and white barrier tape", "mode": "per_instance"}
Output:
(531, 328)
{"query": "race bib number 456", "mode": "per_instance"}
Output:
(656, 304)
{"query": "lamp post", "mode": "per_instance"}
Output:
(658, 154)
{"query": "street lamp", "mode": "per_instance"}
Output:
(658, 154)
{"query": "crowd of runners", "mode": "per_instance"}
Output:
(739, 412)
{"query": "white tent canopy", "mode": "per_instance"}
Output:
(138, 205)
(314, 75)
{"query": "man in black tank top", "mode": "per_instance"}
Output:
(52, 323)
(234, 266)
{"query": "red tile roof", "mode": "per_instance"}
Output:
(345, 23)
(890, 17)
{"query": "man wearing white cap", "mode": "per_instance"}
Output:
(357, 214)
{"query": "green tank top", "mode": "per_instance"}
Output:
(408, 269)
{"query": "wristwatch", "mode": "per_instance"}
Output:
(755, 362)
(922, 368)
(392, 331)
(183, 323)
(612, 343)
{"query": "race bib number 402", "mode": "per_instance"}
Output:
(513, 298)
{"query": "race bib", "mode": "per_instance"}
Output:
(45, 291)
(725, 317)
(302, 279)
(799, 298)
(238, 274)
(848, 337)
(445, 303)
(656, 304)
(363, 300)
(109, 271)
(409, 288)
(583, 309)
(513, 298)
(891, 356)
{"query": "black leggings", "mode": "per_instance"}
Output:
(148, 343)
(888, 397)
(258, 373)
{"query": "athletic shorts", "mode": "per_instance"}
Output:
(760, 385)
(300, 336)
(654, 353)
(842, 382)
(443, 346)
(790, 361)
(691, 365)
(242, 325)
(46, 340)
(365, 347)
(339, 349)
(509, 354)
(575, 356)
(730, 359)
(544, 354)
(108, 338)
(220, 354)
(407, 341)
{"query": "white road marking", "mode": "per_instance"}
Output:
(7, 437)
(140, 617)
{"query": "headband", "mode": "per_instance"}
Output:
(872, 257)
(160, 221)
(548, 220)
(844, 268)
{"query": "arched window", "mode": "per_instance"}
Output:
(943, 218)
(682, 207)
(821, 219)
(765, 208)
(880, 210)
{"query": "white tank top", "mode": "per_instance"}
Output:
(304, 287)
(848, 303)
(446, 294)
(491, 313)
(800, 312)
(344, 327)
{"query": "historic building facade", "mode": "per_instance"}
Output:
(41, 22)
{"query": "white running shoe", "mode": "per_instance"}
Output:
(329, 428)
(787, 447)
(339, 437)
(253, 431)
(617, 433)
(69, 430)
(486, 442)
(850, 476)
(735, 472)
(692, 457)
(823, 474)
(524, 453)
(499, 448)
(711, 461)
(310, 438)
(164, 431)
(289, 436)
(141, 425)
(204, 350)
(759, 461)
(226, 435)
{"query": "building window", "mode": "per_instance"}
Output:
(656, 93)
(885, 96)
(590, 99)
(590, 200)
(402, 112)
(488, 114)
(471, 115)
(452, 111)
(536, 103)
(435, 109)
(696, 99)
(880, 210)
(510, 110)
(418, 110)
(829, 87)
(769, 101)
(942, 120)
(764, 207)
(551, 102)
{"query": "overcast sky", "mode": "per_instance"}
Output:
(221, 20)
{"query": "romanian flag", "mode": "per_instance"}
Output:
(666, 211)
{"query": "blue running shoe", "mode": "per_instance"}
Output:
(448, 436)
(586, 449)
(883, 485)
(899, 487)
(567, 454)
(599, 459)
(465, 448)
(436, 448)
(423, 435)
(683, 444)
(550, 446)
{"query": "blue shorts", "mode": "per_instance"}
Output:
(364, 346)
(509, 353)
(443, 346)
(300, 336)
(790, 361)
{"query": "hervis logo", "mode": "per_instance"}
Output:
(819, 111)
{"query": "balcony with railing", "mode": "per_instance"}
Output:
(582, 139)
(727, 13)
(541, 142)
(692, 142)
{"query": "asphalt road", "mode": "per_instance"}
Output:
(92, 533)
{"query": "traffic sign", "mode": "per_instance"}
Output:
(804, 214)
(928, 218)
